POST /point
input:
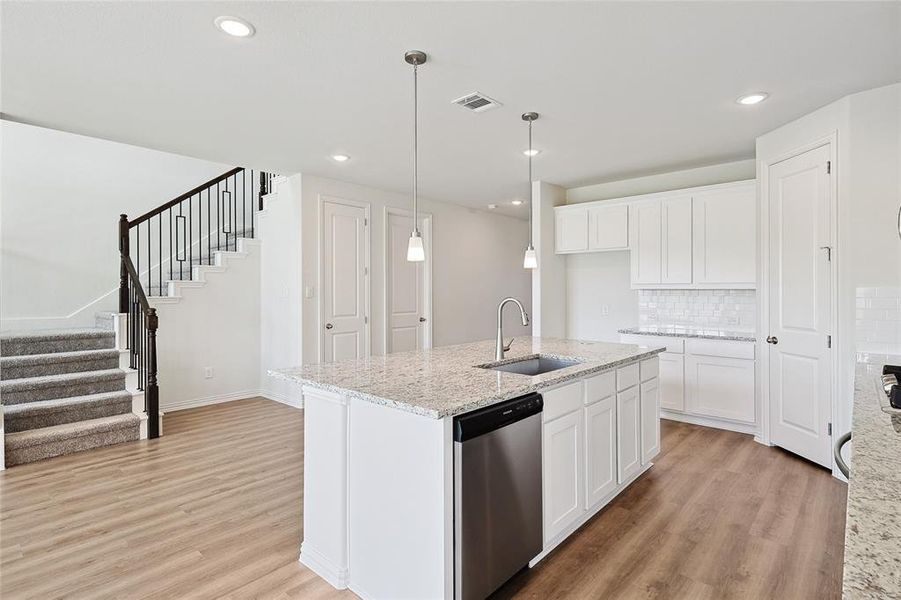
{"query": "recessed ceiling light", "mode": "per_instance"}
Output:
(532, 152)
(340, 157)
(234, 26)
(755, 98)
(516, 202)
(492, 206)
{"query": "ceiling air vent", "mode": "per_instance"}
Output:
(477, 102)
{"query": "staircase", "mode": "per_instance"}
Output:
(63, 392)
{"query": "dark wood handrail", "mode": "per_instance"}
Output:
(138, 289)
(183, 197)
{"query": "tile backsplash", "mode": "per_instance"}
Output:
(734, 310)
(878, 319)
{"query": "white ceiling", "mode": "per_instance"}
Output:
(623, 89)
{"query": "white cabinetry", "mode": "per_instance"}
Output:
(571, 229)
(608, 227)
(628, 435)
(675, 241)
(650, 420)
(724, 230)
(644, 233)
(563, 480)
(600, 450)
(672, 381)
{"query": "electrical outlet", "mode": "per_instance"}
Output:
(605, 310)
(208, 372)
(308, 291)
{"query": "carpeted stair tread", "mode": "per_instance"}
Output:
(14, 343)
(46, 413)
(47, 442)
(57, 363)
(66, 385)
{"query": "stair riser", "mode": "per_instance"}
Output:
(19, 456)
(15, 423)
(25, 347)
(65, 391)
(58, 368)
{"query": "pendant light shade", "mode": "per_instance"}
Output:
(530, 259)
(415, 250)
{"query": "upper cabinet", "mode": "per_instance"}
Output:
(724, 226)
(694, 238)
(591, 228)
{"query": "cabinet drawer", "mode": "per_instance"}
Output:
(562, 401)
(650, 368)
(674, 345)
(600, 387)
(723, 348)
(626, 377)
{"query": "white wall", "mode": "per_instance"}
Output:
(61, 199)
(216, 325)
(594, 282)
(549, 279)
(868, 253)
(739, 170)
(477, 261)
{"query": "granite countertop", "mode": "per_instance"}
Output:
(873, 525)
(691, 332)
(446, 381)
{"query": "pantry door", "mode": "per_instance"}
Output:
(407, 285)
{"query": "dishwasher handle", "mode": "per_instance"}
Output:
(837, 452)
(479, 422)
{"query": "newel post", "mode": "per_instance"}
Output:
(152, 391)
(263, 190)
(123, 271)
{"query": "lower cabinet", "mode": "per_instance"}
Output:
(650, 420)
(600, 450)
(672, 381)
(628, 434)
(563, 479)
(720, 387)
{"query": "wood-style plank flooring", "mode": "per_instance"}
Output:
(213, 510)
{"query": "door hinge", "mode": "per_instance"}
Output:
(365, 222)
(365, 320)
(829, 341)
(828, 167)
(829, 429)
(365, 271)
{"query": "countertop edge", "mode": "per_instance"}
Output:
(699, 336)
(476, 404)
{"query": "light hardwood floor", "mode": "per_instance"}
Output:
(213, 510)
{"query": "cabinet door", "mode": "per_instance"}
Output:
(725, 236)
(644, 238)
(650, 420)
(564, 498)
(675, 225)
(672, 381)
(571, 229)
(720, 387)
(608, 227)
(600, 450)
(628, 436)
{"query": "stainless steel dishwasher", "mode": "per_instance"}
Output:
(497, 494)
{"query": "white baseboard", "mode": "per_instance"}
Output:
(322, 566)
(205, 401)
(709, 422)
(282, 398)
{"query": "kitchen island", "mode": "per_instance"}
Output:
(379, 451)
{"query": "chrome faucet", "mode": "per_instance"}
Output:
(501, 348)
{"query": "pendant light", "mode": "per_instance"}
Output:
(415, 250)
(530, 260)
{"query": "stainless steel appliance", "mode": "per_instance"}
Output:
(497, 494)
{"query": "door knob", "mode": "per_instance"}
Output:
(422, 319)
(329, 326)
(772, 339)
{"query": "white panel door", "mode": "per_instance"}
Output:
(628, 435)
(405, 292)
(600, 450)
(672, 381)
(644, 242)
(608, 227)
(800, 287)
(725, 236)
(650, 420)
(571, 229)
(563, 475)
(344, 282)
(675, 227)
(720, 387)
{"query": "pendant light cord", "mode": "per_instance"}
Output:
(415, 147)
(530, 184)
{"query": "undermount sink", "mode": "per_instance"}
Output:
(533, 365)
